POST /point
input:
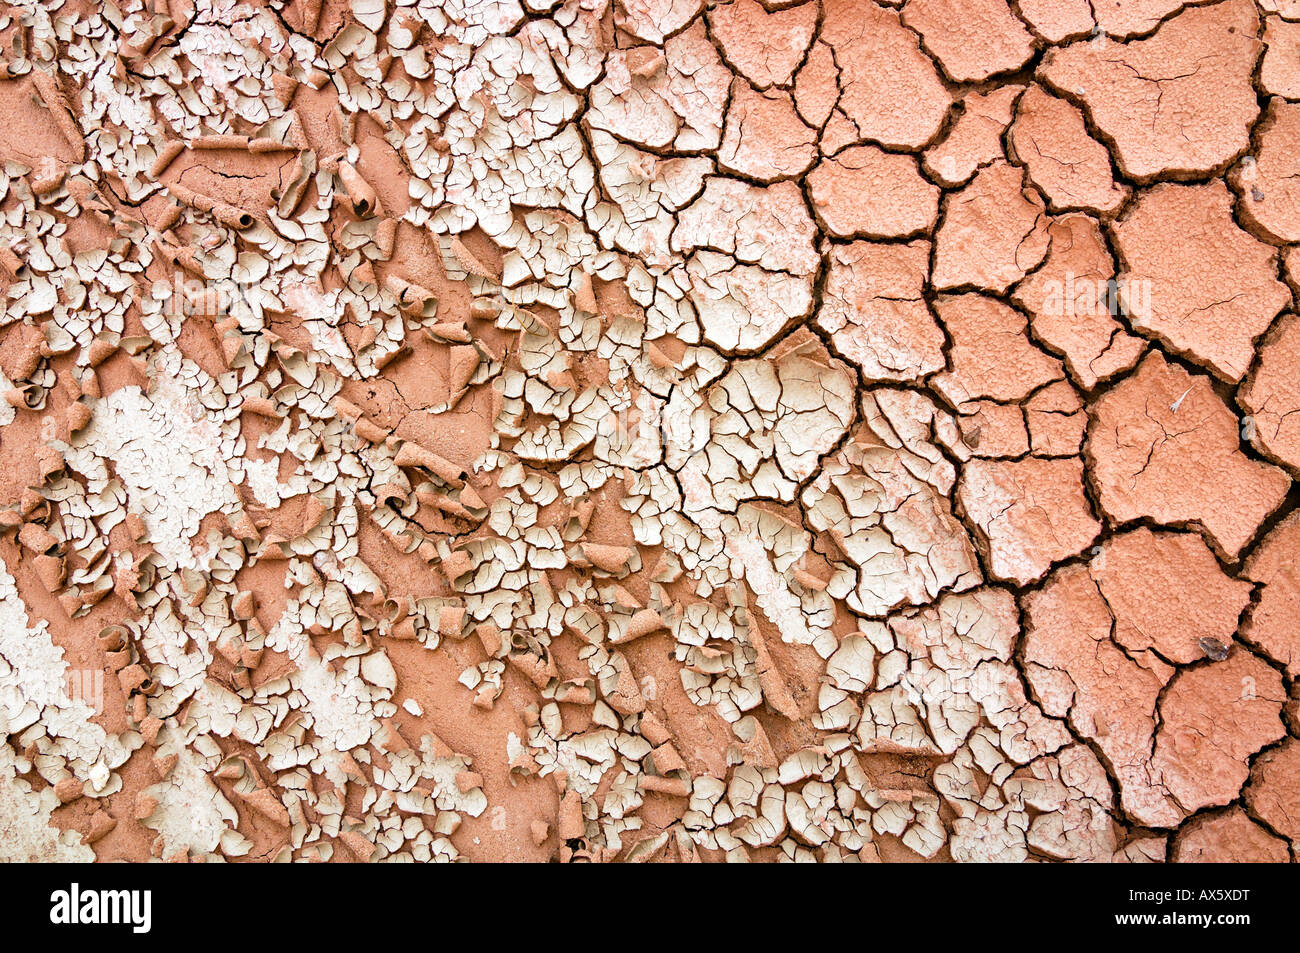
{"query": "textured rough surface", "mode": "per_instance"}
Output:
(971, 39)
(1032, 513)
(1213, 289)
(889, 91)
(1179, 101)
(1271, 395)
(1271, 623)
(1269, 183)
(1165, 447)
(669, 430)
(1072, 170)
(1279, 73)
(975, 137)
(990, 356)
(764, 137)
(875, 311)
(1073, 302)
(1274, 789)
(1168, 594)
(1228, 838)
(864, 192)
(993, 233)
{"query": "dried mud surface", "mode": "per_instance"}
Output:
(626, 430)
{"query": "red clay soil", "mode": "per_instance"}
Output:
(676, 430)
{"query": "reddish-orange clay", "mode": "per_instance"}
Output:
(673, 430)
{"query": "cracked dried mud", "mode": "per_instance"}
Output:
(626, 430)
